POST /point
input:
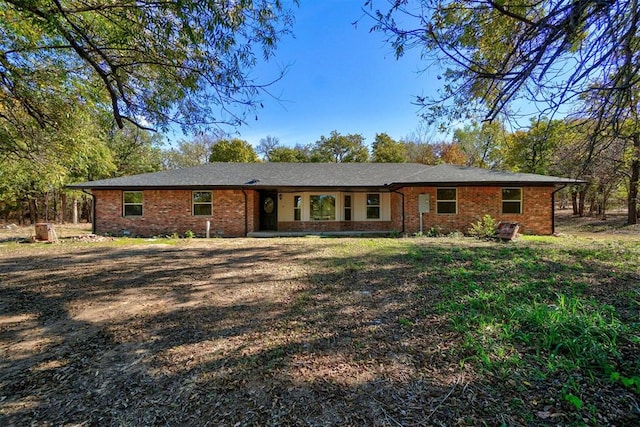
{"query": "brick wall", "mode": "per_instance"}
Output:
(473, 204)
(170, 211)
(325, 226)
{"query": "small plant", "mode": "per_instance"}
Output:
(455, 234)
(434, 232)
(405, 322)
(189, 234)
(485, 228)
(574, 400)
(632, 383)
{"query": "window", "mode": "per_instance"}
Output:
(373, 206)
(512, 200)
(202, 203)
(447, 200)
(132, 203)
(323, 207)
(297, 208)
(347, 208)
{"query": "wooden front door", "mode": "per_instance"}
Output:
(269, 211)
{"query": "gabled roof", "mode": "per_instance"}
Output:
(318, 175)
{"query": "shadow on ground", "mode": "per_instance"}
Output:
(248, 332)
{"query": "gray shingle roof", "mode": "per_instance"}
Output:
(452, 174)
(300, 175)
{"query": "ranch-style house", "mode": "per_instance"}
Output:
(247, 199)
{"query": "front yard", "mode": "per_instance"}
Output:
(318, 331)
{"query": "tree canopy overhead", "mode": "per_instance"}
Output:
(151, 63)
(553, 52)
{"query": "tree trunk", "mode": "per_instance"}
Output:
(574, 202)
(75, 210)
(581, 201)
(33, 210)
(632, 216)
(46, 207)
(63, 207)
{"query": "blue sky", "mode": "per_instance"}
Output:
(340, 77)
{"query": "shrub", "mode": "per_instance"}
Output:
(484, 228)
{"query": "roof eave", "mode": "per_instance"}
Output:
(397, 185)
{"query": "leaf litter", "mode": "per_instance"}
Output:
(245, 332)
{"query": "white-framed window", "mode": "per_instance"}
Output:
(297, 208)
(447, 201)
(202, 203)
(322, 207)
(348, 207)
(373, 205)
(512, 200)
(132, 203)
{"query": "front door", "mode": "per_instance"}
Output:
(269, 210)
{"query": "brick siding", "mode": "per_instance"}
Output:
(330, 226)
(473, 204)
(170, 211)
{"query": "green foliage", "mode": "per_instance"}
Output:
(533, 150)
(496, 54)
(632, 383)
(481, 143)
(296, 154)
(419, 152)
(188, 153)
(386, 150)
(266, 146)
(189, 234)
(524, 310)
(484, 228)
(233, 150)
(159, 62)
(135, 150)
(434, 232)
(403, 321)
(339, 148)
(574, 400)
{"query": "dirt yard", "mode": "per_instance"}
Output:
(295, 331)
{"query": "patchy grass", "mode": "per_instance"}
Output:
(311, 331)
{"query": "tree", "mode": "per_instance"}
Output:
(387, 150)
(420, 152)
(135, 150)
(532, 150)
(33, 175)
(450, 153)
(233, 150)
(188, 153)
(266, 147)
(481, 143)
(297, 154)
(340, 149)
(554, 54)
(152, 63)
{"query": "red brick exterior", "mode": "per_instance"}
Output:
(328, 226)
(473, 204)
(170, 211)
(236, 212)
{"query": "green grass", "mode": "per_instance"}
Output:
(540, 307)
